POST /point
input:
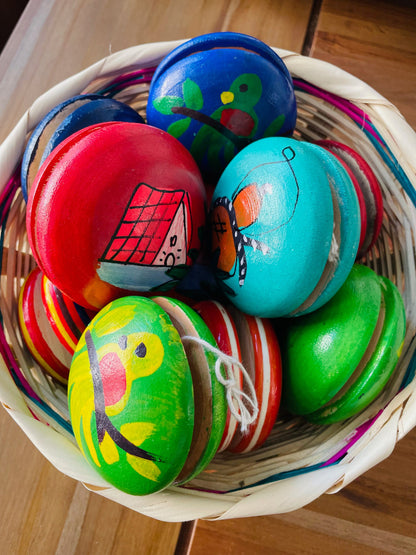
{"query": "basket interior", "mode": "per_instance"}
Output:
(294, 446)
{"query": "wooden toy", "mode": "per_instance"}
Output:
(285, 226)
(116, 208)
(131, 396)
(51, 324)
(346, 232)
(338, 359)
(217, 93)
(68, 320)
(64, 119)
(222, 327)
(209, 394)
(360, 198)
(369, 186)
(260, 354)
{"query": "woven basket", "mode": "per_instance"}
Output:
(299, 461)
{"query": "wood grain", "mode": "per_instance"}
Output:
(373, 515)
(43, 511)
(9, 16)
(375, 41)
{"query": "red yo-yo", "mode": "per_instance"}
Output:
(116, 208)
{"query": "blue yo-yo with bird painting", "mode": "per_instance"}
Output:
(219, 92)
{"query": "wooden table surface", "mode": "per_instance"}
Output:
(43, 511)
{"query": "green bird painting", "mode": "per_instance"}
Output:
(224, 132)
(238, 122)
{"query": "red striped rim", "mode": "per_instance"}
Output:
(267, 377)
(31, 331)
(224, 331)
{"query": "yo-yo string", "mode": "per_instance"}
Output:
(234, 395)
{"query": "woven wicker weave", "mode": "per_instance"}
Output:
(299, 461)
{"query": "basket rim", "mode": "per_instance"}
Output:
(401, 138)
(177, 504)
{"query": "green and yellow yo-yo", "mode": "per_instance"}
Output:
(338, 359)
(210, 401)
(131, 396)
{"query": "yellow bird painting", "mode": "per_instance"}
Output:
(104, 390)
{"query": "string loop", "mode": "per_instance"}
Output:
(243, 406)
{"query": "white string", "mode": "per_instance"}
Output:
(235, 396)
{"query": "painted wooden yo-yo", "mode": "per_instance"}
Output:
(131, 396)
(285, 227)
(370, 190)
(62, 121)
(253, 343)
(222, 327)
(68, 319)
(209, 394)
(51, 324)
(116, 208)
(260, 355)
(218, 92)
(338, 359)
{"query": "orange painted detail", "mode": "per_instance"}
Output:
(222, 238)
(247, 205)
